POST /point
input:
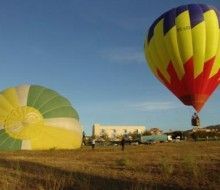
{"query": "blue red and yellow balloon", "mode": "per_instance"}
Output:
(183, 51)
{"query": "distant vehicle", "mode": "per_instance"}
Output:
(169, 137)
(177, 139)
(153, 138)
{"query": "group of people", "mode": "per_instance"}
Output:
(195, 121)
(93, 141)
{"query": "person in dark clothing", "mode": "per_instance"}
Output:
(93, 143)
(122, 143)
(83, 138)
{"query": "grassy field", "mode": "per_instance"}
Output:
(184, 165)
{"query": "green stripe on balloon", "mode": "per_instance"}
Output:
(66, 111)
(49, 103)
(34, 93)
(45, 96)
(8, 143)
(54, 102)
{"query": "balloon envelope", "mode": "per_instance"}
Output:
(35, 117)
(183, 51)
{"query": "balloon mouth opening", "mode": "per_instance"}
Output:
(197, 100)
(23, 122)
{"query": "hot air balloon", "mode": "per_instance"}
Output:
(33, 117)
(182, 49)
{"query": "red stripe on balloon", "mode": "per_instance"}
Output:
(190, 90)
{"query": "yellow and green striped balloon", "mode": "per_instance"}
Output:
(33, 117)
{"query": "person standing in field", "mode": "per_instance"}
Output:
(122, 143)
(93, 143)
(83, 138)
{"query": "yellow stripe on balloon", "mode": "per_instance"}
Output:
(11, 95)
(159, 60)
(150, 58)
(199, 43)
(161, 52)
(173, 51)
(212, 34)
(25, 132)
(4, 104)
(2, 119)
(71, 124)
(184, 36)
(3, 114)
(216, 65)
(51, 137)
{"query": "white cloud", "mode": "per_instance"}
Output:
(155, 106)
(124, 55)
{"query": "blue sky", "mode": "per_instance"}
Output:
(92, 53)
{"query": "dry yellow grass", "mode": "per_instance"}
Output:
(185, 165)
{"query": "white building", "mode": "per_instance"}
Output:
(114, 131)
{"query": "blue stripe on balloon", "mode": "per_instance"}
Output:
(196, 14)
(204, 7)
(169, 20)
(151, 30)
(181, 9)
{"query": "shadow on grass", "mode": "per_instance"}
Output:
(34, 175)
